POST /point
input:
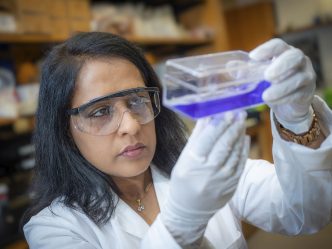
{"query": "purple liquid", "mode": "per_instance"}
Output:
(202, 109)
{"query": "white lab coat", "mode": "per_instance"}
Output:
(292, 197)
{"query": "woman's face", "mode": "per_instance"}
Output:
(129, 150)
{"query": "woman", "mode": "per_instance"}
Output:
(106, 148)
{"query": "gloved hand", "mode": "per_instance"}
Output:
(293, 83)
(205, 176)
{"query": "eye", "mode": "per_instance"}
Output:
(138, 101)
(102, 111)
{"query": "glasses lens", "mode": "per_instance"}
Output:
(104, 117)
(97, 119)
(143, 106)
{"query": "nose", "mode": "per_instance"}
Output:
(128, 124)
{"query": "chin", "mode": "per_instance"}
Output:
(130, 169)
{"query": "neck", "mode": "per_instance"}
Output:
(133, 187)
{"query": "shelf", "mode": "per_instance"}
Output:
(30, 38)
(7, 121)
(11, 121)
(187, 41)
(174, 3)
(306, 29)
(146, 41)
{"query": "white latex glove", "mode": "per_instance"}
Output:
(293, 83)
(205, 176)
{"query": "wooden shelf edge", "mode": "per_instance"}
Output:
(30, 38)
(7, 121)
(305, 29)
(148, 41)
(11, 121)
(168, 41)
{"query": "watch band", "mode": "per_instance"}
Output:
(303, 138)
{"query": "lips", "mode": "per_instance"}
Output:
(132, 150)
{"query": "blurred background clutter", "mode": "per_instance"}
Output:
(164, 29)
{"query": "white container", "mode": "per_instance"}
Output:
(199, 86)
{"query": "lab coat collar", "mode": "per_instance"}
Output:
(128, 220)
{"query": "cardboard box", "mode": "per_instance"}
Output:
(58, 8)
(32, 6)
(78, 9)
(31, 16)
(58, 17)
(34, 23)
(60, 27)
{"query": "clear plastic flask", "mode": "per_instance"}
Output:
(204, 85)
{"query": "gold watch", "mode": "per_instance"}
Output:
(303, 138)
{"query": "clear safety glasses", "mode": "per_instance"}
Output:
(103, 115)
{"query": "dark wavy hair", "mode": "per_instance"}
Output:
(61, 171)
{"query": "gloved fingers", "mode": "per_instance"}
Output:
(203, 140)
(229, 189)
(234, 165)
(295, 112)
(229, 167)
(226, 144)
(243, 157)
(302, 96)
(230, 183)
(199, 126)
(286, 91)
(202, 123)
(234, 180)
(269, 50)
(285, 65)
